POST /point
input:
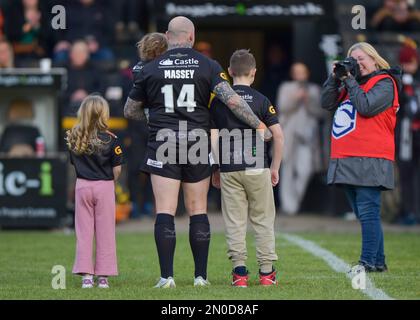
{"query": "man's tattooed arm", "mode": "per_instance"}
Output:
(236, 104)
(134, 109)
(239, 107)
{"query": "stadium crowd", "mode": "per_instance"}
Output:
(98, 51)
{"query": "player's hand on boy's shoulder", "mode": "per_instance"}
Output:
(264, 132)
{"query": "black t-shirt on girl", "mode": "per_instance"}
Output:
(98, 166)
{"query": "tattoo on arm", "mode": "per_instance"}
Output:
(134, 110)
(236, 104)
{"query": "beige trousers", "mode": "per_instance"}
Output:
(249, 194)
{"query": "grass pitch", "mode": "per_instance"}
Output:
(27, 258)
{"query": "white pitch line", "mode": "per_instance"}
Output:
(336, 264)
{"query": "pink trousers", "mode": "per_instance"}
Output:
(95, 216)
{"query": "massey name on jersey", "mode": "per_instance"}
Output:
(179, 74)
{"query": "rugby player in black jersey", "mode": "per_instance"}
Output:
(176, 87)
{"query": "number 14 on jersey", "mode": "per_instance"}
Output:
(185, 98)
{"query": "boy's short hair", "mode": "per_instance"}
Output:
(152, 45)
(242, 62)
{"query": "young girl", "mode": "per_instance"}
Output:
(97, 157)
(151, 46)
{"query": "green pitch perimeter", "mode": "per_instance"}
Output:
(27, 258)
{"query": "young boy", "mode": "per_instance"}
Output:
(247, 187)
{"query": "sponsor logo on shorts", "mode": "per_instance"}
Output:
(154, 163)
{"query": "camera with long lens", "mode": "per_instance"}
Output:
(347, 65)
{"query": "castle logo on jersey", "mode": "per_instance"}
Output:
(166, 62)
(344, 120)
(247, 97)
(190, 62)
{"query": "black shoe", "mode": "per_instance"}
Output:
(383, 268)
(367, 267)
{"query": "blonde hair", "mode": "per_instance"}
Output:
(152, 45)
(92, 118)
(367, 48)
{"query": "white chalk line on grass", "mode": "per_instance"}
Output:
(337, 264)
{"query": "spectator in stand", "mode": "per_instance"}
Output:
(25, 29)
(397, 16)
(88, 20)
(299, 104)
(6, 55)
(408, 137)
(20, 136)
(127, 13)
(82, 77)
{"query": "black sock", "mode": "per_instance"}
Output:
(165, 238)
(200, 242)
(240, 271)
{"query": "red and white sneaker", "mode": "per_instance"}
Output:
(268, 280)
(239, 281)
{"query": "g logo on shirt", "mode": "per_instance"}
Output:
(272, 110)
(118, 150)
(344, 119)
(224, 76)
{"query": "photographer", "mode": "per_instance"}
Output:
(363, 92)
